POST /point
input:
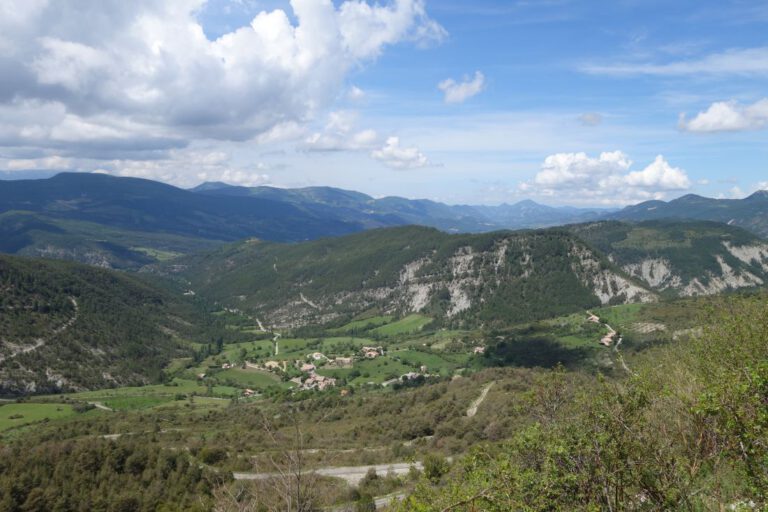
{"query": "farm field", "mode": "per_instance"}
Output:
(408, 325)
(250, 378)
(14, 415)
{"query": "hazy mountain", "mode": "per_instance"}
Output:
(127, 222)
(422, 212)
(750, 213)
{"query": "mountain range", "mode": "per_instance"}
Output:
(128, 222)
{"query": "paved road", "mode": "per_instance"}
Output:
(351, 474)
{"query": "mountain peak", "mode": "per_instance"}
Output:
(759, 195)
(210, 185)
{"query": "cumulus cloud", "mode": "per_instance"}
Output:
(341, 134)
(459, 92)
(110, 77)
(728, 116)
(397, 157)
(605, 179)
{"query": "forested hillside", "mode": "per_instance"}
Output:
(682, 258)
(67, 326)
(494, 278)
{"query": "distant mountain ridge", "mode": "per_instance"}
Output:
(422, 212)
(128, 222)
(750, 213)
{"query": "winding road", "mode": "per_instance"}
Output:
(42, 341)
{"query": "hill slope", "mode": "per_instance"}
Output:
(682, 258)
(69, 326)
(457, 279)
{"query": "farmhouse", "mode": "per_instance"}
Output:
(318, 382)
(343, 362)
(372, 352)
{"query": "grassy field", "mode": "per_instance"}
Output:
(621, 317)
(379, 370)
(16, 415)
(436, 364)
(255, 379)
(408, 325)
(178, 386)
(364, 324)
(135, 403)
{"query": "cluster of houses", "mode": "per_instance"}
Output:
(311, 380)
(609, 338)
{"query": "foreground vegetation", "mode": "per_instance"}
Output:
(688, 430)
(674, 419)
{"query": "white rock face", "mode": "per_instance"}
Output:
(607, 285)
(469, 277)
(750, 254)
(729, 279)
(656, 272)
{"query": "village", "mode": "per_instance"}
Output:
(308, 367)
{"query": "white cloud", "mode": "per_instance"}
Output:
(340, 134)
(397, 157)
(459, 92)
(591, 118)
(728, 116)
(747, 61)
(114, 77)
(184, 168)
(54, 162)
(736, 193)
(355, 94)
(605, 179)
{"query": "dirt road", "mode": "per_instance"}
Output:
(42, 341)
(473, 408)
(351, 474)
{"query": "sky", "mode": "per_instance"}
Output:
(586, 103)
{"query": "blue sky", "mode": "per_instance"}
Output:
(566, 102)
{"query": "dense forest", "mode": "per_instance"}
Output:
(70, 326)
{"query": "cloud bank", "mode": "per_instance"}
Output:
(142, 80)
(606, 179)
